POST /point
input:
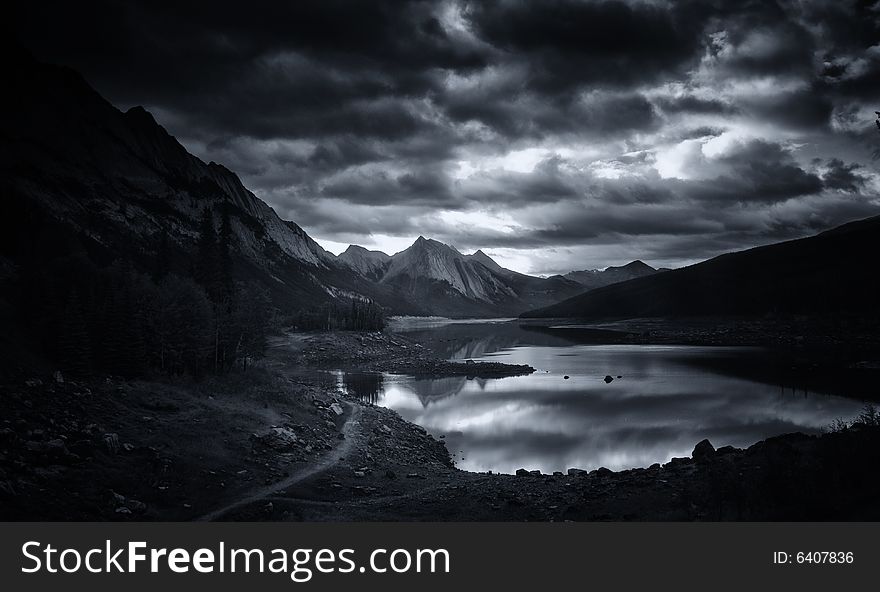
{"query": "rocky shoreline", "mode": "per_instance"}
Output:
(275, 445)
(384, 352)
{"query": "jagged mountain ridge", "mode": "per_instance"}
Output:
(370, 264)
(433, 260)
(120, 180)
(62, 126)
(444, 281)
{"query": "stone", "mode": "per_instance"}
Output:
(389, 474)
(536, 472)
(336, 408)
(703, 451)
(469, 362)
(278, 438)
(58, 377)
(565, 377)
(111, 442)
(603, 471)
(136, 506)
(360, 474)
(574, 472)
(34, 446)
(7, 489)
(82, 447)
(608, 378)
(557, 473)
(678, 461)
(522, 473)
(385, 429)
(123, 510)
(56, 448)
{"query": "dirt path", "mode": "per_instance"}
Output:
(353, 435)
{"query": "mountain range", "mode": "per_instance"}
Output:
(116, 184)
(446, 282)
(80, 177)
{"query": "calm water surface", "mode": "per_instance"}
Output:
(666, 399)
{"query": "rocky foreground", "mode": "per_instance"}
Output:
(794, 477)
(274, 445)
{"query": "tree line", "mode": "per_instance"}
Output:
(356, 315)
(173, 308)
(177, 318)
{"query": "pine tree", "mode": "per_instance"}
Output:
(74, 346)
(162, 266)
(227, 302)
(207, 270)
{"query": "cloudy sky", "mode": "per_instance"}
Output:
(554, 135)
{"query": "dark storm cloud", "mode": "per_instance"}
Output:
(594, 222)
(268, 68)
(802, 109)
(379, 187)
(591, 130)
(692, 104)
(568, 43)
(844, 177)
(546, 183)
(528, 114)
(761, 171)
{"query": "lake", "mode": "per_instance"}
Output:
(663, 399)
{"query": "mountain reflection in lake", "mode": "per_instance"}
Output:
(666, 400)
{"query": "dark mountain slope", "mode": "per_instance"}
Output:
(116, 183)
(832, 273)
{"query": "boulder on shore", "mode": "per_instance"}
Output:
(703, 451)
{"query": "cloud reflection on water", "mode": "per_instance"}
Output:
(660, 408)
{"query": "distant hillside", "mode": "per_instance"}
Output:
(595, 278)
(831, 273)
